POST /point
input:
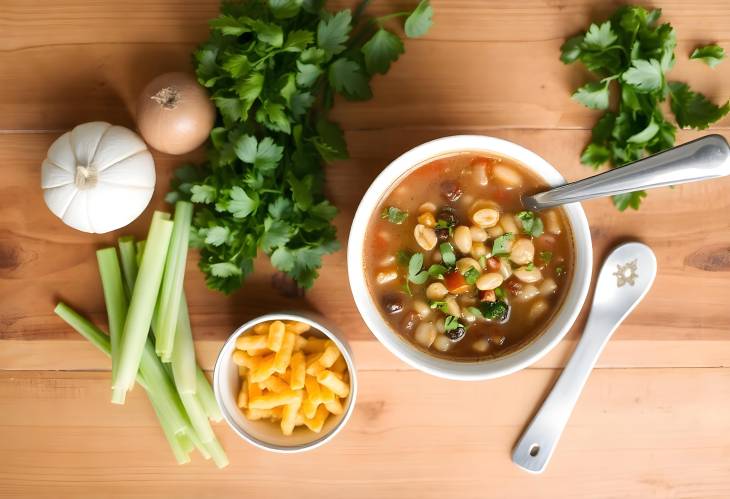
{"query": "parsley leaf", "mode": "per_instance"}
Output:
(240, 204)
(333, 31)
(381, 50)
(419, 21)
(216, 236)
(415, 274)
(712, 55)
(593, 95)
(447, 254)
(546, 256)
(644, 76)
(502, 244)
(471, 275)
(346, 76)
(394, 215)
(531, 223)
(451, 323)
(693, 109)
(627, 200)
(595, 155)
(600, 36)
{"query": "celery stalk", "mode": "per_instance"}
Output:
(128, 253)
(183, 352)
(141, 307)
(176, 443)
(116, 301)
(168, 304)
(205, 395)
(219, 455)
(139, 247)
(198, 417)
(198, 444)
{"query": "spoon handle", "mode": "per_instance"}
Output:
(615, 298)
(704, 158)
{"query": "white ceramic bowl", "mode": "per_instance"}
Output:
(488, 368)
(264, 434)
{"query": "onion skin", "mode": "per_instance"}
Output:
(174, 113)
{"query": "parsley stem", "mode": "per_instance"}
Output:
(379, 20)
(359, 10)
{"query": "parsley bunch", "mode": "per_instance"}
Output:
(634, 51)
(272, 68)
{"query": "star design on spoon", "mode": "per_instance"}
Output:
(626, 274)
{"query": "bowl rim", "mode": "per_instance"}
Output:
(559, 324)
(322, 325)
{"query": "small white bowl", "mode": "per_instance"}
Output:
(265, 434)
(487, 368)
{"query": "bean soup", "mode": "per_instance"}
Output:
(458, 267)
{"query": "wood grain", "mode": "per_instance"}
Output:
(635, 433)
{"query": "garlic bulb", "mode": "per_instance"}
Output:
(98, 177)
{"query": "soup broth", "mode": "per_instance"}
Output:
(456, 265)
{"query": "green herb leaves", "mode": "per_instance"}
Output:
(394, 215)
(272, 68)
(531, 223)
(630, 54)
(415, 274)
(712, 55)
(502, 244)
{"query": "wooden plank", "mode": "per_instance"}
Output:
(45, 22)
(43, 261)
(635, 433)
(474, 76)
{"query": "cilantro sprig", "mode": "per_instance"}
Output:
(272, 68)
(631, 54)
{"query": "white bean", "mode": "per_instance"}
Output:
(425, 237)
(523, 251)
(386, 276)
(490, 280)
(538, 308)
(528, 292)
(441, 343)
(466, 199)
(508, 223)
(479, 173)
(478, 250)
(436, 291)
(495, 232)
(480, 345)
(425, 334)
(421, 308)
(478, 234)
(486, 217)
(388, 260)
(452, 308)
(552, 223)
(463, 264)
(548, 286)
(462, 238)
(529, 276)
(506, 176)
(440, 325)
(427, 207)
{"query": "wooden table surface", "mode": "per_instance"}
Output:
(654, 420)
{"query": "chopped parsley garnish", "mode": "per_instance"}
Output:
(394, 215)
(530, 266)
(559, 271)
(499, 293)
(415, 274)
(452, 323)
(471, 275)
(712, 55)
(447, 254)
(403, 257)
(531, 223)
(437, 271)
(439, 305)
(546, 256)
(501, 244)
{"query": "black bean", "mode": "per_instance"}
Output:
(451, 190)
(392, 303)
(442, 234)
(456, 334)
(447, 215)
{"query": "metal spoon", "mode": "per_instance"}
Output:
(625, 278)
(705, 158)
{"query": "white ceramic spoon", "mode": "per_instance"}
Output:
(625, 278)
